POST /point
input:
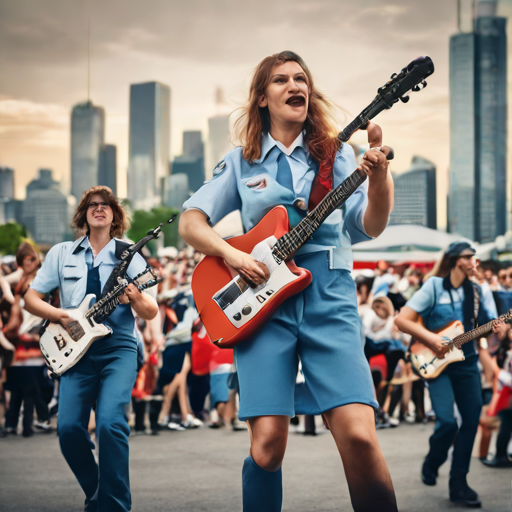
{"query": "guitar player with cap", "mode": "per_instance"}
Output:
(448, 296)
(106, 373)
(286, 130)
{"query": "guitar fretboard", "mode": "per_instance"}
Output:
(480, 331)
(290, 242)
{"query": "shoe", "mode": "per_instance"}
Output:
(9, 431)
(44, 426)
(216, 424)
(393, 422)
(27, 433)
(463, 494)
(238, 425)
(191, 422)
(497, 462)
(309, 433)
(175, 426)
(428, 474)
(155, 432)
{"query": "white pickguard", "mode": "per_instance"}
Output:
(425, 361)
(252, 300)
(60, 350)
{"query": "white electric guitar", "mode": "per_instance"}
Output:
(429, 366)
(63, 347)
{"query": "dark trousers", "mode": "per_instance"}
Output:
(459, 384)
(106, 378)
(25, 383)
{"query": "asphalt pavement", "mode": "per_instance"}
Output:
(200, 471)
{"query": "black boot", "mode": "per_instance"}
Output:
(460, 492)
(428, 474)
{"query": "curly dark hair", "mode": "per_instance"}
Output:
(120, 222)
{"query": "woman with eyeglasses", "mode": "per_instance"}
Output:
(447, 296)
(106, 374)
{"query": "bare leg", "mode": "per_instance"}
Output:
(368, 478)
(269, 435)
(261, 474)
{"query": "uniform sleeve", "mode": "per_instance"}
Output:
(355, 207)
(219, 196)
(424, 299)
(488, 309)
(136, 266)
(47, 277)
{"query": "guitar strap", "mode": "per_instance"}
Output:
(322, 184)
(476, 304)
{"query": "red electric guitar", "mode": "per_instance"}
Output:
(231, 308)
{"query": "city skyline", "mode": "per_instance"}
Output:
(35, 102)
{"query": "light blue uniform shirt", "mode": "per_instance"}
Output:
(65, 267)
(432, 301)
(252, 188)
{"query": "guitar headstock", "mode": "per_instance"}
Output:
(411, 78)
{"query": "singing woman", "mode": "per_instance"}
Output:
(286, 130)
(106, 374)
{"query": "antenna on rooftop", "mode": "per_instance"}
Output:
(88, 62)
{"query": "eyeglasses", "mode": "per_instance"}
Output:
(97, 206)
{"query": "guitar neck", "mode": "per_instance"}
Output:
(479, 332)
(290, 242)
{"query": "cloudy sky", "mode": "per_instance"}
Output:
(198, 45)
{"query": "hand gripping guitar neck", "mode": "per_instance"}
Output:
(63, 347)
(119, 271)
(232, 310)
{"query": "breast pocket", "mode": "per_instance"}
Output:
(72, 282)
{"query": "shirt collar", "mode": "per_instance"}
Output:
(268, 143)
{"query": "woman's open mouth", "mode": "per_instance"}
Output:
(296, 101)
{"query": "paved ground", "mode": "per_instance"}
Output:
(200, 471)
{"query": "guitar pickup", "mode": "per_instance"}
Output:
(60, 341)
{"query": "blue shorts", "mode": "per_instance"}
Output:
(219, 390)
(321, 326)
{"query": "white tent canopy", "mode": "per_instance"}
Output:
(408, 242)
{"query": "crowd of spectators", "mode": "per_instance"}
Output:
(188, 383)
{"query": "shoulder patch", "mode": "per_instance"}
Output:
(219, 168)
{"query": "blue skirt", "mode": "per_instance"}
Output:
(321, 327)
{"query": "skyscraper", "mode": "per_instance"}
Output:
(191, 162)
(45, 210)
(108, 167)
(478, 107)
(218, 141)
(415, 195)
(150, 131)
(6, 183)
(193, 146)
(177, 190)
(87, 139)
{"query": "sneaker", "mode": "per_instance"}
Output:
(174, 426)
(191, 422)
(497, 462)
(238, 425)
(44, 426)
(9, 431)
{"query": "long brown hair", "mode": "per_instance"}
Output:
(320, 126)
(120, 222)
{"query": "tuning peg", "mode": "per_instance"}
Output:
(405, 98)
(394, 75)
(416, 88)
(424, 84)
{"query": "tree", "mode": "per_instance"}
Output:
(12, 235)
(143, 221)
